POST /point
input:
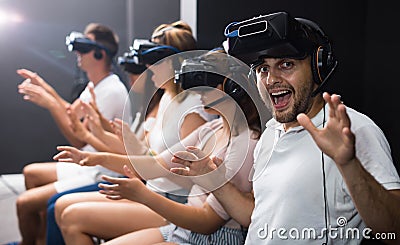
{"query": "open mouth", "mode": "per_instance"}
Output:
(281, 99)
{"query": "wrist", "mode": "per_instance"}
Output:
(212, 180)
(350, 167)
(149, 197)
(87, 137)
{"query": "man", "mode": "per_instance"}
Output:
(95, 51)
(323, 173)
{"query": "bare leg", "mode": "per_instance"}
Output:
(83, 215)
(39, 178)
(143, 237)
(38, 174)
(29, 205)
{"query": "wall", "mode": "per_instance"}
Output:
(28, 132)
(361, 33)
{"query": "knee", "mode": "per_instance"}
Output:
(59, 207)
(24, 203)
(31, 175)
(69, 220)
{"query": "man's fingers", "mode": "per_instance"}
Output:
(65, 148)
(305, 121)
(25, 73)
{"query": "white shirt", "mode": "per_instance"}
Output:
(164, 131)
(288, 183)
(237, 157)
(113, 101)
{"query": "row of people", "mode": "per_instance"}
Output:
(317, 160)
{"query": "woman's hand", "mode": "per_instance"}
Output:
(131, 188)
(73, 155)
(93, 120)
(133, 145)
(79, 128)
(206, 171)
(106, 125)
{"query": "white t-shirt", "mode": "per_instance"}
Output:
(113, 102)
(112, 98)
(164, 131)
(238, 160)
(288, 183)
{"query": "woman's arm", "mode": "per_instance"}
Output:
(145, 167)
(81, 131)
(198, 219)
(239, 205)
(191, 122)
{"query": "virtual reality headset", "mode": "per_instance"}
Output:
(148, 53)
(206, 71)
(276, 35)
(76, 41)
(128, 62)
(195, 73)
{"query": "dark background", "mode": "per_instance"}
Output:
(362, 34)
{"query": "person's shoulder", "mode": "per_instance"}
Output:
(359, 119)
(211, 125)
(114, 83)
(189, 97)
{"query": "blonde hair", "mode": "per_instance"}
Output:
(177, 34)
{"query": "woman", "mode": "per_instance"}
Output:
(179, 36)
(227, 137)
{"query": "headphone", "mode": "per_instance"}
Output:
(148, 52)
(97, 54)
(76, 41)
(323, 62)
(231, 89)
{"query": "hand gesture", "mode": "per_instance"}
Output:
(131, 188)
(73, 155)
(34, 78)
(92, 118)
(93, 97)
(208, 172)
(335, 140)
(133, 145)
(195, 161)
(78, 128)
(106, 125)
(36, 94)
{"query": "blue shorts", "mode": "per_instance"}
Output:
(223, 236)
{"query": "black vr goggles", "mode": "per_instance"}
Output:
(76, 41)
(275, 35)
(128, 62)
(148, 53)
(204, 72)
(197, 73)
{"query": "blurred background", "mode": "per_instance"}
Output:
(32, 36)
